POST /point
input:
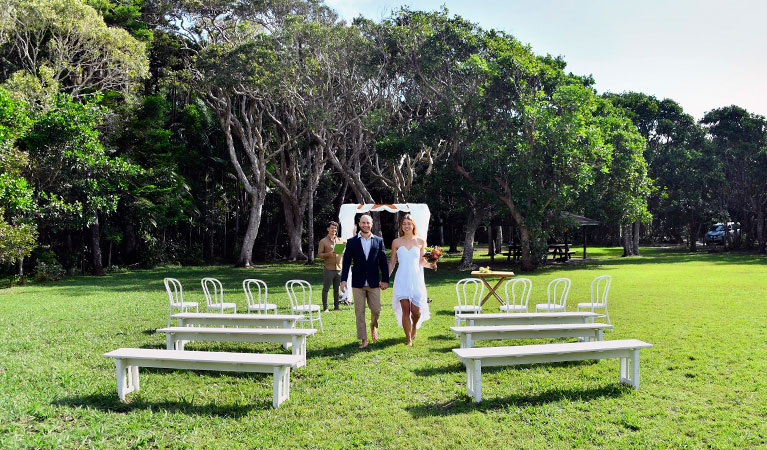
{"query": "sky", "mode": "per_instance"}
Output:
(703, 54)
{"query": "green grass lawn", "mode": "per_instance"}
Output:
(703, 385)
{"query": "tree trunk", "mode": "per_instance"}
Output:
(295, 228)
(472, 223)
(626, 233)
(524, 242)
(21, 270)
(498, 239)
(341, 197)
(254, 221)
(490, 243)
(760, 226)
(694, 230)
(98, 268)
(109, 255)
(310, 228)
(453, 240)
(635, 240)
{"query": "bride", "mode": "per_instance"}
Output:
(410, 303)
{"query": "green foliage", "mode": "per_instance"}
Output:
(684, 171)
(48, 272)
(71, 39)
(71, 170)
(16, 240)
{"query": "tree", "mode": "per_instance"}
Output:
(619, 193)
(236, 69)
(71, 39)
(739, 140)
(18, 234)
(76, 182)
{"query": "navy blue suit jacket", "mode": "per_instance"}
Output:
(365, 269)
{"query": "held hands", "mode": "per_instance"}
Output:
(383, 286)
(343, 286)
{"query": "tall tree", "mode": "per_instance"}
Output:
(739, 140)
(72, 172)
(71, 39)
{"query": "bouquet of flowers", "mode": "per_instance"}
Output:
(432, 254)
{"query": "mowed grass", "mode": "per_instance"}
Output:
(703, 385)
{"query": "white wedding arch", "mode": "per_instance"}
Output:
(419, 211)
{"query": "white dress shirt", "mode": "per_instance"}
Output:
(366, 243)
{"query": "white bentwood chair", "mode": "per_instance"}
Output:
(215, 302)
(258, 303)
(600, 287)
(303, 306)
(559, 287)
(469, 292)
(176, 297)
(519, 300)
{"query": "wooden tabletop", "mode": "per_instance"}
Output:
(492, 273)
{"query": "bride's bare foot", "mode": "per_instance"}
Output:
(364, 343)
(409, 343)
(413, 333)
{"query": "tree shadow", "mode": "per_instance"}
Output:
(352, 348)
(442, 337)
(465, 404)
(111, 403)
(459, 367)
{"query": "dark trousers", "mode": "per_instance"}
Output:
(334, 277)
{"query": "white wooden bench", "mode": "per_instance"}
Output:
(237, 320)
(476, 358)
(176, 337)
(527, 318)
(587, 331)
(128, 360)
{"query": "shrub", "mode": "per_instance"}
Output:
(48, 272)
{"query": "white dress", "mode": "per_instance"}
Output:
(409, 284)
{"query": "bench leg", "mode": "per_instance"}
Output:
(469, 377)
(280, 385)
(635, 369)
(630, 369)
(134, 378)
(624, 370)
(169, 344)
(477, 381)
(600, 335)
(127, 378)
(121, 379)
(299, 349)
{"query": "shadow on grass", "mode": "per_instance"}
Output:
(442, 337)
(459, 367)
(465, 404)
(347, 350)
(111, 403)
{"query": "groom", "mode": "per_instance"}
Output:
(366, 255)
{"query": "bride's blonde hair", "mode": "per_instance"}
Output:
(410, 218)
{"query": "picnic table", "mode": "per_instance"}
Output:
(514, 252)
(492, 274)
(561, 252)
